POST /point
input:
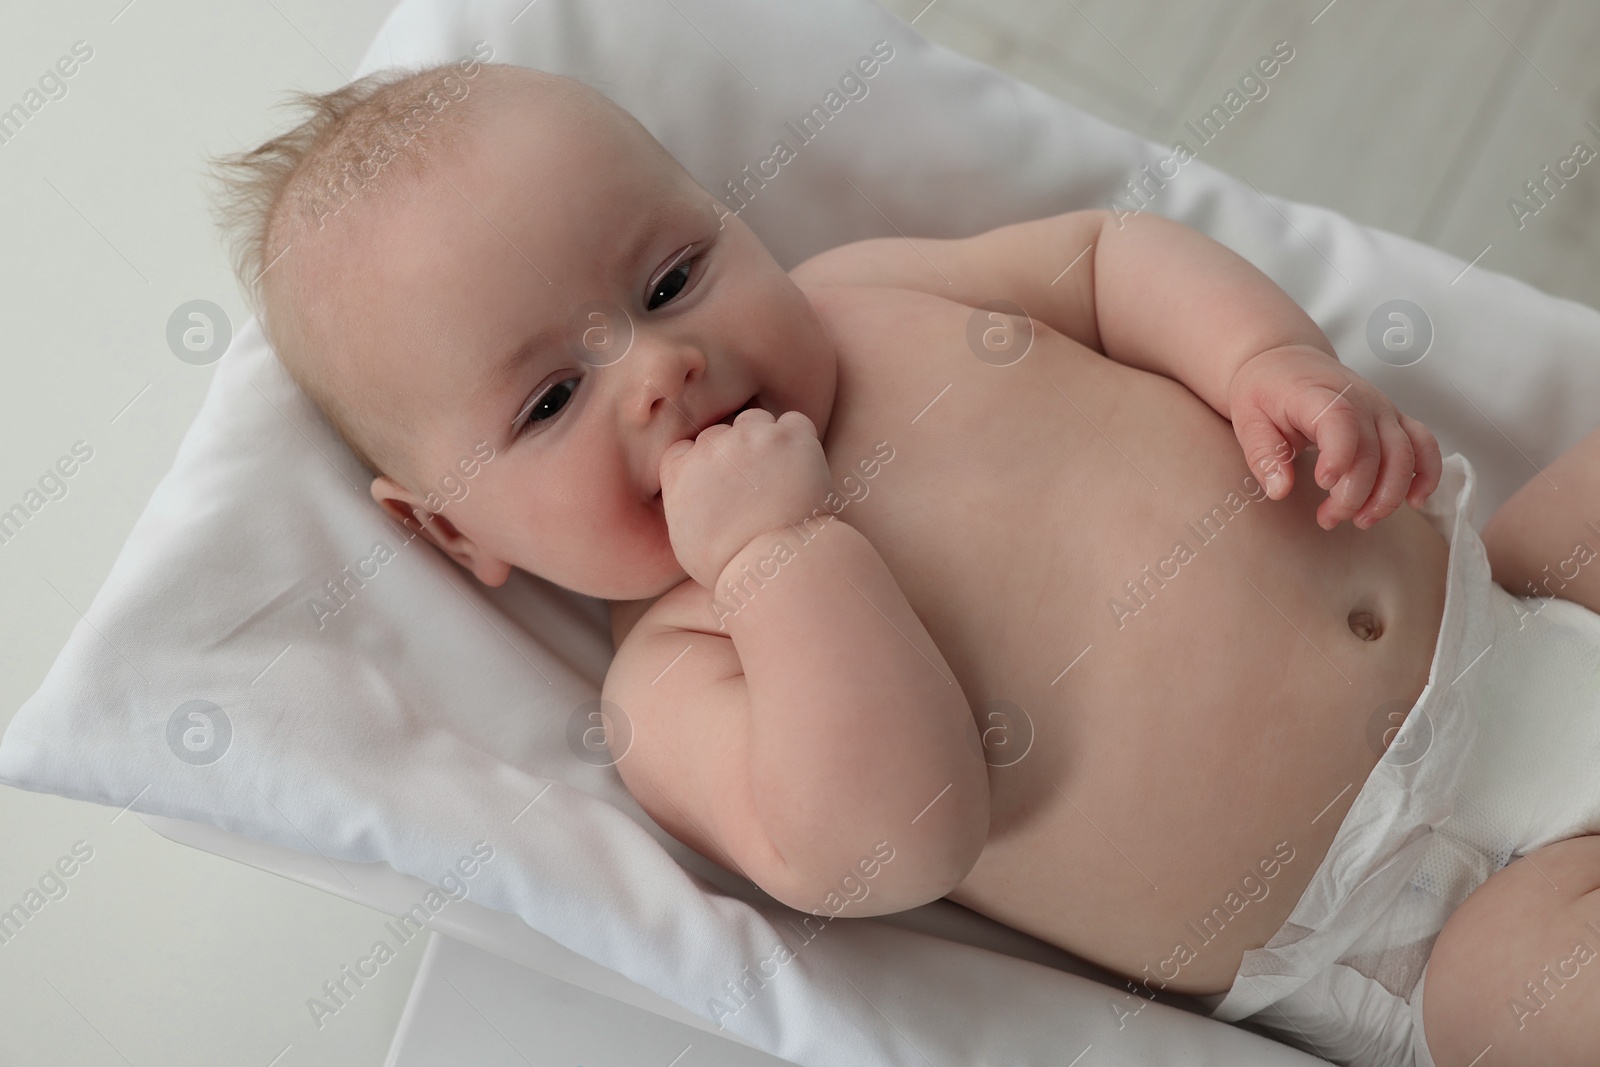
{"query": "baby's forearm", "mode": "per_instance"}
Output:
(859, 732)
(1171, 300)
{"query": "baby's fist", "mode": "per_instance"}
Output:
(735, 483)
(1372, 456)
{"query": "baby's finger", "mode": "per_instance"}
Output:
(1394, 473)
(667, 465)
(1264, 448)
(753, 415)
(1429, 464)
(1329, 419)
(1352, 490)
(801, 417)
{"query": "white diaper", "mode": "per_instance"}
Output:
(1496, 759)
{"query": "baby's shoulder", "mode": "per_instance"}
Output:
(1027, 265)
(875, 318)
(886, 302)
(880, 269)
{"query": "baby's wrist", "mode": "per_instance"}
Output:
(772, 547)
(1262, 362)
(1297, 348)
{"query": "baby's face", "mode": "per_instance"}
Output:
(465, 308)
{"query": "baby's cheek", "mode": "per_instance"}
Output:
(656, 533)
(633, 534)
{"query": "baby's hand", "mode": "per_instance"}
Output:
(1286, 398)
(734, 483)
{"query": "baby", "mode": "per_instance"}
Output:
(943, 566)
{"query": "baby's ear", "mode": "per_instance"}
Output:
(404, 506)
(409, 510)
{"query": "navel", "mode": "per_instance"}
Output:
(1365, 625)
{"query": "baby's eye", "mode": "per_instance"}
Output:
(550, 402)
(671, 283)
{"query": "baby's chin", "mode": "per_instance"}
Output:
(622, 594)
(636, 582)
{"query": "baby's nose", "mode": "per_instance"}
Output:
(663, 374)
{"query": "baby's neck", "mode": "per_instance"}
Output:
(624, 613)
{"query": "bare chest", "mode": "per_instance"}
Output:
(1163, 663)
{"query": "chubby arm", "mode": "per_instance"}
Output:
(1144, 291)
(859, 732)
(1170, 300)
(1158, 296)
(819, 745)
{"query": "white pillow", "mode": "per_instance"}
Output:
(429, 717)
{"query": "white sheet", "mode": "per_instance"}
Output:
(430, 714)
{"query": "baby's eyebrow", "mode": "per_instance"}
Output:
(505, 370)
(509, 366)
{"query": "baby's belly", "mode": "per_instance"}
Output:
(1182, 684)
(1190, 768)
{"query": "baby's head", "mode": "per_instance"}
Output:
(479, 260)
